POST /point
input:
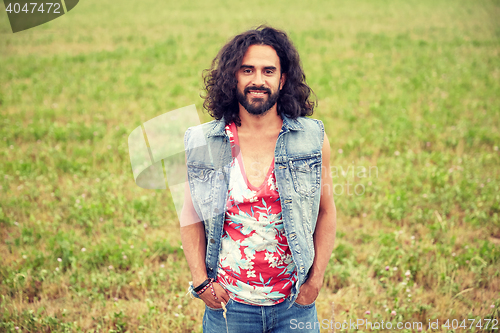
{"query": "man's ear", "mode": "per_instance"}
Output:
(282, 80)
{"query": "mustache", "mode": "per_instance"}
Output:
(261, 88)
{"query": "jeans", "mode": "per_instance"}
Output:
(244, 318)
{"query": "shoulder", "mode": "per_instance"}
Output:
(311, 124)
(306, 137)
(198, 135)
(314, 128)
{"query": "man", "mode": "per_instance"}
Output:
(258, 222)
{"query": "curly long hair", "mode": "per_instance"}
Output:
(220, 79)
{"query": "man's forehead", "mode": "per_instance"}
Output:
(261, 55)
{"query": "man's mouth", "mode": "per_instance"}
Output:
(257, 93)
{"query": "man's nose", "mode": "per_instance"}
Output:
(258, 79)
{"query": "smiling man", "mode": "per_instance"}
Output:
(258, 222)
(254, 99)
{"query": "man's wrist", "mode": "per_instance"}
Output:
(315, 279)
(198, 288)
(199, 280)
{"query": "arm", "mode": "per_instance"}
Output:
(324, 234)
(194, 245)
(193, 239)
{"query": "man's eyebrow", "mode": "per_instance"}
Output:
(252, 67)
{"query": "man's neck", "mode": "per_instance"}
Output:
(268, 122)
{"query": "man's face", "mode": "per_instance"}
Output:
(259, 79)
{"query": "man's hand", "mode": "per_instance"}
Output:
(209, 299)
(309, 291)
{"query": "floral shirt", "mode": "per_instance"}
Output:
(255, 262)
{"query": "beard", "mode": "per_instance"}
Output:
(258, 106)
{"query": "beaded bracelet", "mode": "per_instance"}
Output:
(205, 287)
(212, 289)
(202, 285)
(202, 290)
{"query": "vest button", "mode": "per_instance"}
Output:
(221, 177)
(212, 240)
(216, 210)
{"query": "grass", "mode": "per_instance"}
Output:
(409, 95)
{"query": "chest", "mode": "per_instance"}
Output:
(257, 156)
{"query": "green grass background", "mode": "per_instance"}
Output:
(408, 90)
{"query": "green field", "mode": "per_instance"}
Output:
(408, 90)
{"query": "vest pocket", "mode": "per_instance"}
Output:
(306, 174)
(202, 183)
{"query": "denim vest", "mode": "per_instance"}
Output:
(297, 166)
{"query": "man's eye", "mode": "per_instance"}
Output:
(247, 71)
(269, 72)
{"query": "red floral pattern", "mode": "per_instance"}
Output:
(255, 262)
